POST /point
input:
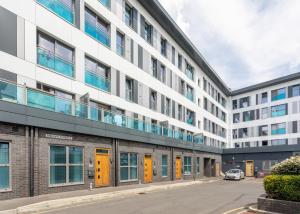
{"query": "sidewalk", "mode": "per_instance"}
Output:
(64, 199)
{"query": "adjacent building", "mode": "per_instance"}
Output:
(111, 92)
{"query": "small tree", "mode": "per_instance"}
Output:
(290, 166)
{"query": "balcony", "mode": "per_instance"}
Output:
(106, 3)
(97, 33)
(97, 81)
(59, 8)
(49, 60)
(278, 113)
(278, 131)
(190, 96)
(189, 74)
(278, 97)
(11, 92)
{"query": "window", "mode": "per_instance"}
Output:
(179, 61)
(153, 100)
(278, 128)
(234, 104)
(168, 107)
(189, 71)
(154, 67)
(179, 112)
(97, 74)
(163, 46)
(279, 110)
(278, 94)
(66, 165)
(279, 142)
(263, 130)
(243, 133)
(128, 167)
(198, 165)
(244, 102)
(163, 73)
(189, 93)
(62, 8)
(189, 117)
(264, 97)
(264, 113)
(294, 91)
(129, 89)
(55, 55)
(268, 164)
(264, 143)
(148, 32)
(164, 165)
(236, 118)
(187, 165)
(248, 115)
(97, 27)
(234, 134)
(173, 55)
(130, 17)
(4, 166)
(120, 44)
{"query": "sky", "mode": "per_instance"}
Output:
(245, 41)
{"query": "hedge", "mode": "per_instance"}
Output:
(290, 166)
(283, 187)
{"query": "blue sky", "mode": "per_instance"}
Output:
(245, 41)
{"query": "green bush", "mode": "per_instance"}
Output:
(283, 187)
(288, 167)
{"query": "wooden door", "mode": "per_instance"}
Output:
(249, 168)
(178, 168)
(102, 168)
(147, 169)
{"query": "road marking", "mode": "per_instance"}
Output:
(236, 209)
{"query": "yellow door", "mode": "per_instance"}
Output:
(178, 168)
(102, 168)
(147, 169)
(217, 169)
(249, 168)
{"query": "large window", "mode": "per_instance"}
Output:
(244, 102)
(198, 165)
(278, 94)
(62, 8)
(128, 167)
(189, 117)
(268, 164)
(189, 71)
(187, 165)
(153, 100)
(263, 130)
(279, 110)
(248, 115)
(55, 55)
(236, 118)
(154, 67)
(294, 91)
(148, 32)
(120, 44)
(264, 97)
(168, 107)
(4, 166)
(129, 89)
(163, 46)
(264, 113)
(66, 165)
(97, 27)
(164, 165)
(279, 128)
(279, 142)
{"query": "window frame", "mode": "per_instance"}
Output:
(198, 170)
(67, 165)
(187, 165)
(9, 188)
(130, 91)
(162, 166)
(120, 36)
(129, 166)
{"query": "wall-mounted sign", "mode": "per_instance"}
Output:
(61, 137)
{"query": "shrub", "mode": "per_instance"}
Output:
(288, 167)
(283, 187)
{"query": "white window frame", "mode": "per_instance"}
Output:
(128, 166)
(67, 164)
(9, 188)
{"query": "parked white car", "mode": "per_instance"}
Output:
(234, 174)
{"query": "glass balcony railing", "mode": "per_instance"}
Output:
(190, 121)
(278, 113)
(189, 74)
(59, 8)
(97, 81)
(106, 3)
(278, 131)
(97, 33)
(49, 60)
(278, 97)
(190, 96)
(38, 99)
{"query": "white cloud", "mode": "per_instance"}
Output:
(245, 41)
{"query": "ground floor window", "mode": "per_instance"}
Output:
(164, 165)
(268, 164)
(128, 166)
(66, 165)
(187, 165)
(198, 165)
(4, 166)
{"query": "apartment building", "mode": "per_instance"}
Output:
(111, 92)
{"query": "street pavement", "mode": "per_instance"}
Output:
(209, 198)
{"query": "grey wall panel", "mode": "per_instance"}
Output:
(140, 57)
(8, 33)
(122, 85)
(162, 109)
(113, 82)
(140, 93)
(21, 37)
(146, 91)
(136, 55)
(173, 109)
(158, 104)
(118, 83)
(146, 61)
(6, 75)
(77, 13)
(135, 91)
(132, 51)
(127, 48)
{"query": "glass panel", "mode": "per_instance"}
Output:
(57, 174)
(46, 43)
(63, 106)
(165, 171)
(4, 177)
(133, 173)
(64, 52)
(75, 174)
(124, 173)
(40, 100)
(75, 155)
(97, 81)
(81, 110)
(63, 8)
(4, 153)
(106, 3)
(57, 155)
(133, 159)
(124, 159)
(164, 160)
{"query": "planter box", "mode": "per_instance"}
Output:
(278, 206)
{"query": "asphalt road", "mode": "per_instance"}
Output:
(210, 198)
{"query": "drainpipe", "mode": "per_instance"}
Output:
(31, 160)
(172, 163)
(116, 157)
